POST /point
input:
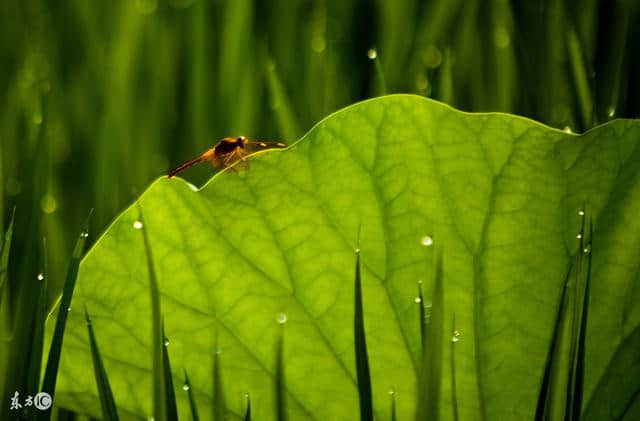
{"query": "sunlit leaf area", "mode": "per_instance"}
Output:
(319, 210)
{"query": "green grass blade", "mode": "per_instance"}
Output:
(580, 78)
(219, 404)
(4, 256)
(380, 78)
(431, 372)
(544, 393)
(107, 403)
(393, 405)
(578, 297)
(446, 78)
(157, 340)
(53, 360)
(192, 401)
(37, 335)
(454, 392)
(247, 414)
(280, 389)
(423, 317)
(362, 360)
(288, 125)
(170, 394)
(578, 391)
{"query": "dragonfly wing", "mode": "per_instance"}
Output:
(257, 145)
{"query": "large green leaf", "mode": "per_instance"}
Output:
(500, 194)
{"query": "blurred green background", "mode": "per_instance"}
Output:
(97, 99)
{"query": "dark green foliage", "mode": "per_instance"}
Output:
(454, 393)
(107, 403)
(219, 405)
(53, 360)
(561, 393)
(430, 376)
(362, 359)
(247, 414)
(192, 401)
(170, 394)
(5, 248)
(157, 337)
(280, 389)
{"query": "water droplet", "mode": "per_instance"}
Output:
(586, 250)
(166, 342)
(567, 129)
(419, 281)
(392, 392)
(246, 395)
(84, 234)
(185, 387)
(68, 309)
(357, 249)
(418, 300)
(281, 318)
(40, 277)
(581, 212)
(48, 203)
(137, 225)
(611, 111)
(579, 236)
(372, 53)
(427, 241)
(456, 336)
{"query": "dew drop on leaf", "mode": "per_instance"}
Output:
(40, 277)
(426, 241)
(137, 225)
(281, 318)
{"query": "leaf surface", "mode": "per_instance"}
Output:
(500, 194)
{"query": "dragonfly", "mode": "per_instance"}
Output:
(227, 152)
